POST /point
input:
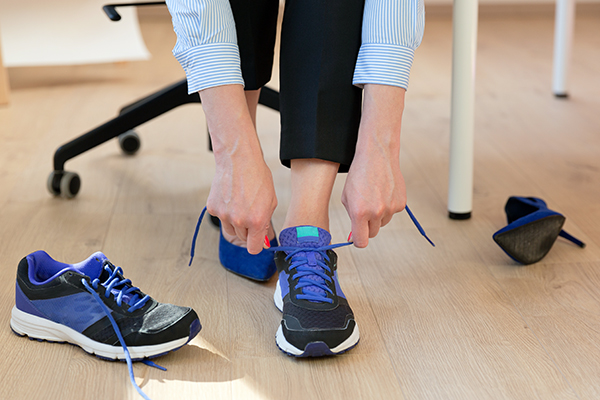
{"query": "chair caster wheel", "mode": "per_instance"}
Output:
(129, 142)
(63, 183)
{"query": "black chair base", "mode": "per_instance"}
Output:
(67, 184)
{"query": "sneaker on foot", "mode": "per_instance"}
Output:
(317, 320)
(91, 305)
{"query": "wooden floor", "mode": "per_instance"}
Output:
(458, 321)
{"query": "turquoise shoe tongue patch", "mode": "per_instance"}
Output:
(306, 234)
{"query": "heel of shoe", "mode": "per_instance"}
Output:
(573, 239)
(24, 324)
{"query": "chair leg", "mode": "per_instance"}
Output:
(67, 184)
(130, 117)
(269, 98)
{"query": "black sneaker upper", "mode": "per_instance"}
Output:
(314, 307)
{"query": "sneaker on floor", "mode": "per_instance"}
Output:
(317, 320)
(91, 305)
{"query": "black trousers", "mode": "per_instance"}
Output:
(320, 40)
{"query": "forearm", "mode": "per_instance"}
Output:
(374, 189)
(242, 194)
(230, 125)
(381, 121)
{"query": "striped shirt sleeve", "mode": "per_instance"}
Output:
(392, 31)
(206, 44)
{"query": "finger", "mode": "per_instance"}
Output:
(256, 240)
(386, 219)
(227, 228)
(360, 233)
(374, 228)
(241, 233)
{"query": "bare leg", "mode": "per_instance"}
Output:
(252, 101)
(312, 183)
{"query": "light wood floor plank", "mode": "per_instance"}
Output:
(458, 321)
(356, 377)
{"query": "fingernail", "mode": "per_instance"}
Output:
(267, 243)
(350, 237)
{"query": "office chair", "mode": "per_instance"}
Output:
(67, 184)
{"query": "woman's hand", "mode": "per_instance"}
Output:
(375, 189)
(242, 195)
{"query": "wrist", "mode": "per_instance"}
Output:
(230, 125)
(238, 141)
(381, 121)
(383, 106)
(375, 149)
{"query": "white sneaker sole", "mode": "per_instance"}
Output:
(43, 329)
(288, 348)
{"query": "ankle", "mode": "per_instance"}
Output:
(319, 223)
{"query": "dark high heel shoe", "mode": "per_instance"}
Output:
(531, 231)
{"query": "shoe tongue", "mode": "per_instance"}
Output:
(304, 236)
(93, 266)
(307, 237)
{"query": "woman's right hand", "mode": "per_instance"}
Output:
(242, 194)
(243, 197)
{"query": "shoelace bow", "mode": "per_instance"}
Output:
(307, 274)
(124, 287)
(195, 237)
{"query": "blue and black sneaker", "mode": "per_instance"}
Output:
(317, 319)
(91, 305)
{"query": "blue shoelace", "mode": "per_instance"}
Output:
(309, 275)
(195, 237)
(112, 284)
(319, 278)
(418, 225)
(193, 249)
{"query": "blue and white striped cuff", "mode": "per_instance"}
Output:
(210, 65)
(384, 64)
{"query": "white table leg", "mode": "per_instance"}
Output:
(460, 185)
(4, 87)
(563, 39)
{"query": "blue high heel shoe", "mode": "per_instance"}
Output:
(259, 267)
(531, 231)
